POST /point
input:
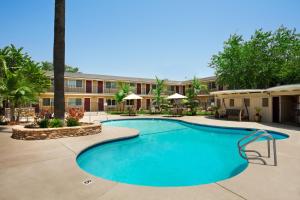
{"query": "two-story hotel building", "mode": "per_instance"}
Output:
(95, 93)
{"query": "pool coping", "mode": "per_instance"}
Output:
(199, 124)
(106, 142)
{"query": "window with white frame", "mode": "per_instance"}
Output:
(110, 85)
(74, 102)
(111, 102)
(47, 101)
(74, 83)
(130, 102)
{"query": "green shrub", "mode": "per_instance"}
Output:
(55, 123)
(205, 113)
(117, 112)
(72, 122)
(44, 123)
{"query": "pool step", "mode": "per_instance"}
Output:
(248, 139)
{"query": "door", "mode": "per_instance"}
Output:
(138, 88)
(177, 89)
(183, 90)
(88, 86)
(87, 104)
(100, 87)
(100, 104)
(275, 106)
(148, 104)
(138, 104)
(147, 88)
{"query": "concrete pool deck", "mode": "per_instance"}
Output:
(47, 169)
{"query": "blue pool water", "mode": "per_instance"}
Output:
(168, 153)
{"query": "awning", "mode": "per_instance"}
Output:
(284, 88)
(247, 91)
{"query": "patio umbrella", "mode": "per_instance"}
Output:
(132, 97)
(176, 96)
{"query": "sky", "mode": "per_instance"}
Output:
(173, 39)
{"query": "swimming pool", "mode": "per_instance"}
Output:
(168, 153)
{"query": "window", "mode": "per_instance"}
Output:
(71, 83)
(130, 102)
(172, 88)
(132, 84)
(265, 102)
(109, 85)
(213, 85)
(153, 86)
(111, 102)
(247, 102)
(74, 83)
(78, 83)
(75, 102)
(47, 101)
(231, 102)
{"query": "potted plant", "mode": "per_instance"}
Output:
(257, 116)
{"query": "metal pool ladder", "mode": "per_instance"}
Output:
(242, 143)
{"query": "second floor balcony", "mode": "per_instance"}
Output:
(97, 90)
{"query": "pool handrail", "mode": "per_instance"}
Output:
(259, 134)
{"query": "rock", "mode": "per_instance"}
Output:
(43, 136)
(30, 137)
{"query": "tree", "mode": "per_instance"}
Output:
(48, 66)
(21, 80)
(265, 60)
(192, 93)
(158, 91)
(124, 90)
(59, 59)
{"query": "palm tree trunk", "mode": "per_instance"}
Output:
(59, 59)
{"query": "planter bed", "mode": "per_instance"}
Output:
(22, 133)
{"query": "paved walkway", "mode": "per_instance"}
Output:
(47, 170)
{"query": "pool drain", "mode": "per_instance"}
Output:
(87, 182)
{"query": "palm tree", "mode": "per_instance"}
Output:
(192, 93)
(124, 90)
(59, 59)
(16, 89)
(21, 79)
(160, 88)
